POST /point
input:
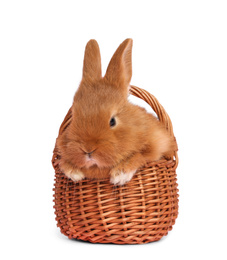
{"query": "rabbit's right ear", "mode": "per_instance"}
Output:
(92, 61)
(119, 70)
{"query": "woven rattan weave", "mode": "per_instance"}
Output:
(142, 211)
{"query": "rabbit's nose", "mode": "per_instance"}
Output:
(89, 153)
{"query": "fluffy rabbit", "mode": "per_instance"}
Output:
(108, 136)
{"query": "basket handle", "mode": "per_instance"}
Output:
(147, 97)
(140, 93)
(158, 109)
(66, 122)
(155, 105)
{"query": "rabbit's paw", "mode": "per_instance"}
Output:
(76, 175)
(120, 177)
(72, 173)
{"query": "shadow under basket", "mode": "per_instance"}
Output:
(141, 211)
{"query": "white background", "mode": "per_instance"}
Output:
(179, 55)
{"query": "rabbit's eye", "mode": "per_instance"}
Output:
(112, 122)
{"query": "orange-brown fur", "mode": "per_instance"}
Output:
(138, 136)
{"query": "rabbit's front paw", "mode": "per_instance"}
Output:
(76, 175)
(72, 173)
(120, 177)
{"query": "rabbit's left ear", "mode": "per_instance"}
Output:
(119, 70)
(92, 61)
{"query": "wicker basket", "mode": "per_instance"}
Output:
(142, 211)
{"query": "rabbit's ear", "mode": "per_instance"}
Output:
(119, 70)
(92, 61)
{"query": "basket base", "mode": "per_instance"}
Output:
(117, 242)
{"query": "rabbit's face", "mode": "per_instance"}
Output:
(97, 127)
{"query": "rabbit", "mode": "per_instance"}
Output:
(108, 136)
